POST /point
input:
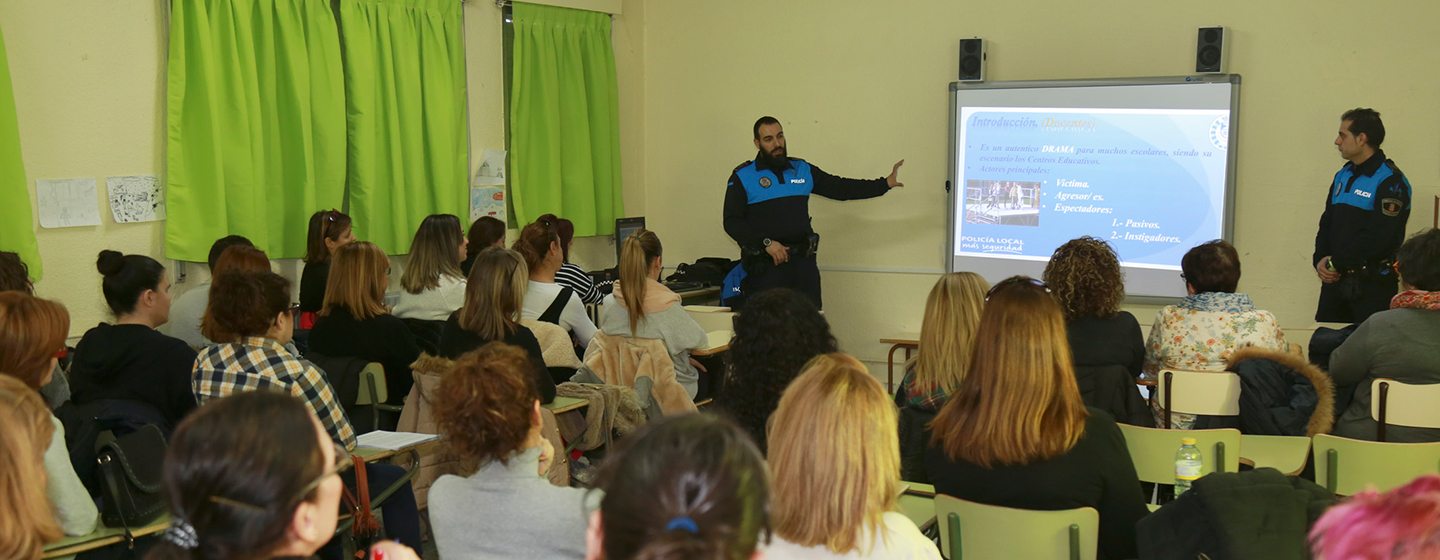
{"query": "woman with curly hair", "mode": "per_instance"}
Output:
(779, 331)
(1085, 278)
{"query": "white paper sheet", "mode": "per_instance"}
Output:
(67, 202)
(136, 198)
(392, 441)
(492, 169)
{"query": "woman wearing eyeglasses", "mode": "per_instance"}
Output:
(1017, 435)
(1204, 329)
(254, 475)
(250, 317)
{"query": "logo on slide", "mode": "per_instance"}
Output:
(1220, 132)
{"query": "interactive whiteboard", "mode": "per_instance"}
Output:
(1147, 164)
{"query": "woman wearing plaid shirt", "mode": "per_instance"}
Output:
(250, 317)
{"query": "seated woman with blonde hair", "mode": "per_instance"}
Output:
(28, 523)
(951, 314)
(433, 286)
(1017, 434)
(642, 307)
(835, 462)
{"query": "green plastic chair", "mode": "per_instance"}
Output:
(1287, 454)
(982, 532)
(1393, 403)
(1153, 451)
(373, 393)
(1348, 466)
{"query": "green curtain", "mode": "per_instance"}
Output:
(256, 123)
(564, 119)
(405, 86)
(17, 228)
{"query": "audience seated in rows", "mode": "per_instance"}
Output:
(1108, 350)
(32, 334)
(130, 360)
(777, 334)
(485, 233)
(15, 275)
(29, 520)
(952, 311)
(1017, 434)
(329, 230)
(186, 310)
(251, 318)
(545, 300)
(1204, 329)
(494, 296)
(433, 286)
(643, 308)
(682, 487)
(1402, 524)
(254, 475)
(569, 275)
(355, 323)
(489, 414)
(1400, 344)
(835, 467)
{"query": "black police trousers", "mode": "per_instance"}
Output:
(1374, 296)
(799, 273)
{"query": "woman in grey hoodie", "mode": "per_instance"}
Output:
(642, 307)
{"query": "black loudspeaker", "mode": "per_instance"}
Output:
(972, 60)
(1210, 51)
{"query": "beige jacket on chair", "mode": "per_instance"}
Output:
(639, 363)
(419, 417)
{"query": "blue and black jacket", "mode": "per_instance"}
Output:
(762, 202)
(1365, 214)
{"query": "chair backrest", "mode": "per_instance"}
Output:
(1348, 466)
(1200, 392)
(1402, 404)
(1153, 451)
(373, 376)
(978, 531)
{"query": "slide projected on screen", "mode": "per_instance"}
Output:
(1144, 167)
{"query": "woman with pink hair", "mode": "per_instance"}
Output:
(1402, 524)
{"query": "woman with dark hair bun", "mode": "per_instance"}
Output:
(685, 487)
(130, 360)
(254, 476)
(777, 333)
(1399, 344)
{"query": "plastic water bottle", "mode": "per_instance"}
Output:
(1187, 465)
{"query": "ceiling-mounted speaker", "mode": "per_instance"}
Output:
(1211, 49)
(972, 60)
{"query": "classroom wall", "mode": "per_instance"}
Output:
(860, 85)
(89, 81)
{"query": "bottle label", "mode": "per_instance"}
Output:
(1188, 470)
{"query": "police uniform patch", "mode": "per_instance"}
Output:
(1391, 206)
(765, 183)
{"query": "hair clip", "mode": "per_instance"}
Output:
(180, 533)
(682, 523)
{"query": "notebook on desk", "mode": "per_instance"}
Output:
(393, 441)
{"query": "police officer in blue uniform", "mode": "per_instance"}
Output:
(1363, 225)
(767, 212)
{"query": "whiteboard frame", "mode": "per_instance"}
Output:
(1227, 225)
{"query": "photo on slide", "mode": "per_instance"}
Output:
(1005, 203)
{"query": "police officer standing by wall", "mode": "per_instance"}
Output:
(1363, 225)
(767, 212)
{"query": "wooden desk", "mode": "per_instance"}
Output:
(103, 536)
(562, 405)
(919, 507)
(374, 454)
(910, 342)
(719, 342)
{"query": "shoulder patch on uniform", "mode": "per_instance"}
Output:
(764, 182)
(1391, 206)
(744, 165)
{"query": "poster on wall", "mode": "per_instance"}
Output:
(492, 170)
(136, 198)
(67, 202)
(487, 201)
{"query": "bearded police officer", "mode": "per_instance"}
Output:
(767, 212)
(1363, 225)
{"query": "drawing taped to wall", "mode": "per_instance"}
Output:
(67, 202)
(136, 198)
